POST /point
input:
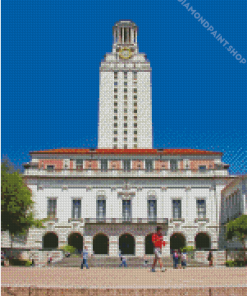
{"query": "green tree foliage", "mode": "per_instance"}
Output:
(16, 202)
(238, 228)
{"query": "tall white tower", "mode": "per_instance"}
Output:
(125, 105)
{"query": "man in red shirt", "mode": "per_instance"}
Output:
(157, 239)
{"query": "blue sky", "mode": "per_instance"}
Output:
(51, 53)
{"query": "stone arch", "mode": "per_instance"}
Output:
(50, 240)
(149, 247)
(127, 244)
(101, 244)
(202, 241)
(177, 241)
(75, 239)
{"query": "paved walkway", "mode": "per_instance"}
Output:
(123, 278)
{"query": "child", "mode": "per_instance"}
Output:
(175, 259)
(183, 259)
(124, 263)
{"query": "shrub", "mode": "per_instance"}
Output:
(18, 262)
(68, 248)
(230, 263)
(188, 249)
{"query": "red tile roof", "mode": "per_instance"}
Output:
(128, 151)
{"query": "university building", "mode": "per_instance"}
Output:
(114, 197)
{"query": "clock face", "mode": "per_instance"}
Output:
(125, 53)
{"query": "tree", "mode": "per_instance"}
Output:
(16, 203)
(238, 228)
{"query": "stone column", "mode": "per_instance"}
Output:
(139, 246)
(88, 241)
(113, 246)
(166, 248)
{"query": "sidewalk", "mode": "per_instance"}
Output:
(123, 277)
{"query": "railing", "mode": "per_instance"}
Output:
(122, 172)
(126, 220)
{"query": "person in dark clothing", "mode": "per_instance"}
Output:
(210, 259)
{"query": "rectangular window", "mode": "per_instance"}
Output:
(135, 90)
(115, 110)
(135, 118)
(152, 210)
(126, 164)
(115, 75)
(125, 75)
(115, 96)
(176, 209)
(76, 209)
(135, 104)
(115, 83)
(125, 110)
(135, 139)
(114, 146)
(125, 90)
(115, 139)
(115, 117)
(115, 124)
(149, 165)
(135, 124)
(125, 146)
(125, 118)
(135, 75)
(79, 164)
(135, 98)
(125, 125)
(50, 168)
(125, 132)
(135, 145)
(125, 84)
(115, 104)
(135, 132)
(125, 139)
(125, 97)
(125, 103)
(173, 165)
(115, 90)
(51, 208)
(115, 132)
(101, 209)
(126, 210)
(104, 165)
(135, 110)
(201, 208)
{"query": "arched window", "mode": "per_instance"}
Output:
(50, 241)
(202, 241)
(101, 244)
(127, 244)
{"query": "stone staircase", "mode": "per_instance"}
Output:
(114, 262)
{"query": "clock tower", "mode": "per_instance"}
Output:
(125, 106)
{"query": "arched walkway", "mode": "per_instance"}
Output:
(149, 247)
(50, 241)
(202, 241)
(127, 244)
(101, 244)
(76, 240)
(177, 241)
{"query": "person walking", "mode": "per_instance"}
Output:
(157, 239)
(183, 259)
(124, 262)
(85, 258)
(175, 259)
(179, 259)
(210, 259)
(145, 261)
